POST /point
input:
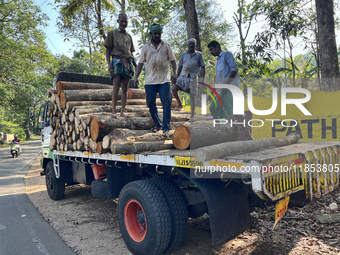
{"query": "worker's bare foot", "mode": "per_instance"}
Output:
(114, 115)
(123, 115)
(178, 108)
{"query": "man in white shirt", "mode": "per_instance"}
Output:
(156, 55)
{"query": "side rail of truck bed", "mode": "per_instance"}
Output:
(272, 173)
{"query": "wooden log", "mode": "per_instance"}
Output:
(138, 94)
(150, 137)
(64, 118)
(101, 127)
(67, 85)
(69, 138)
(92, 145)
(50, 92)
(232, 148)
(100, 149)
(68, 147)
(92, 109)
(75, 136)
(86, 95)
(143, 102)
(108, 108)
(74, 145)
(71, 105)
(174, 125)
(52, 142)
(132, 147)
(80, 146)
(71, 116)
(199, 134)
(119, 135)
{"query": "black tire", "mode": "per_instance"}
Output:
(99, 188)
(13, 155)
(152, 214)
(55, 190)
(178, 210)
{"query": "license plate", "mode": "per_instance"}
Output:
(187, 162)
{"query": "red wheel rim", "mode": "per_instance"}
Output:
(135, 225)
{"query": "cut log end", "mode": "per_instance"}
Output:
(94, 129)
(181, 138)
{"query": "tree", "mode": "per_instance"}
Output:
(24, 60)
(285, 22)
(327, 45)
(192, 21)
(144, 13)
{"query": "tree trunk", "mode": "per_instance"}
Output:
(67, 85)
(195, 135)
(327, 45)
(71, 105)
(87, 95)
(101, 127)
(131, 148)
(232, 148)
(192, 22)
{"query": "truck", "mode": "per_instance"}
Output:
(158, 190)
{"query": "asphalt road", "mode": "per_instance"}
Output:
(23, 231)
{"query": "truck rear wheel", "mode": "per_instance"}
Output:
(144, 218)
(55, 190)
(178, 210)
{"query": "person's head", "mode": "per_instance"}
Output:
(215, 48)
(191, 44)
(122, 21)
(16, 136)
(156, 32)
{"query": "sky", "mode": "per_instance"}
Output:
(57, 45)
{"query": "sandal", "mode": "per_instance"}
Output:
(166, 134)
(156, 129)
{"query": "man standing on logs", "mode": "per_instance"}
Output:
(119, 46)
(190, 65)
(156, 56)
(226, 73)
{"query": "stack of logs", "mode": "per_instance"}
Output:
(81, 120)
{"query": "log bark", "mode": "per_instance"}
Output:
(86, 95)
(131, 147)
(71, 105)
(120, 135)
(199, 134)
(150, 137)
(143, 102)
(101, 127)
(232, 148)
(67, 85)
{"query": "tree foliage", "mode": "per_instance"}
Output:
(24, 59)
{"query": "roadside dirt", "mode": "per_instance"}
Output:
(89, 225)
